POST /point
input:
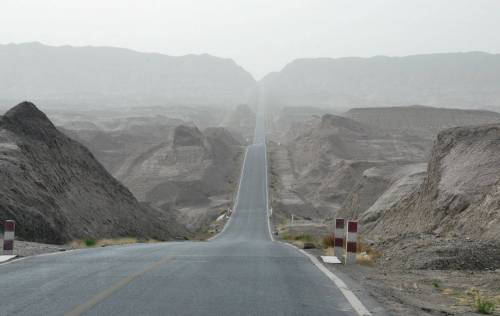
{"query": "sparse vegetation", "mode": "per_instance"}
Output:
(479, 302)
(90, 242)
(367, 255)
(302, 240)
(436, 284)
(483, 305)
(304, 237)
(329, 241)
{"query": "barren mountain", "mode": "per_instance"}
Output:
(56, 191)
(194, 172)
(451, 80)
(113, 76)
(330, 162)
(421, 120)
(169, 163)
(460, 193)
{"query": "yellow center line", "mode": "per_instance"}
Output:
(82, 308)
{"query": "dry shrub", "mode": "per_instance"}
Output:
(298, 243)
(368, 255)
(329, 241)
(89, 242)
(479, 302)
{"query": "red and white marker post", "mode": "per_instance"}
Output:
(339, 238)
(8, 237)
(352, 241)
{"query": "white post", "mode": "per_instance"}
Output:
(352, 241)
(8, 237)
(339, 234)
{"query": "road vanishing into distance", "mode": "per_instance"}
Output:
(242, 271)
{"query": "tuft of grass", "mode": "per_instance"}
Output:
(118, 241)
(436, 284)
(304, 238)
(483, 305)
(368, 256)
(302, 241)
(479, 302)
(328, 241)
(90, 242)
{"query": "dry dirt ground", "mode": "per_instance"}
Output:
(425, 292)
(392, 279)
(26, 248)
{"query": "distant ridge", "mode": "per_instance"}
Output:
(107, 75)
(420, 120)
(464, 80)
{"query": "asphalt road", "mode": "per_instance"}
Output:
(240, 272)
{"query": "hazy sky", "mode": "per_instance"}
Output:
(260, 35)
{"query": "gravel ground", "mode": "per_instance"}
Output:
(425, 292)
(26, 248)
(422, 275)
(421, 291)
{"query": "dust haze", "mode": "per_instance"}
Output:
(169, 125)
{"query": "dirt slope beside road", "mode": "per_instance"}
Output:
(460, 194)
(56, 191)
(324, 161)
(167, 162)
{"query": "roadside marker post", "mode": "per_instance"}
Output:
(8, 237)
(339, 234)
(351, 241)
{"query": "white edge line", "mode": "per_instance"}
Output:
(236, 200)
(348, 294)
(360, 309)
(267, 195)
(17, 259)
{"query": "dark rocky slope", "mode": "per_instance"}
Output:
(56, 191)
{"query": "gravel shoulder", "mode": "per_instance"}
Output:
(27, 248)
(406, 278)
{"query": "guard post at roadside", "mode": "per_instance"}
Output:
(8, 237)
(339, 234)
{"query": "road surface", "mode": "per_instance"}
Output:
(242, 271)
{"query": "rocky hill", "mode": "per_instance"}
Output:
(195, 173)
(76, 76)
(330, 162)
(421, 120)
(468, 80)
(169, 163)
(459, 196)
(56, 191)
(422, 206)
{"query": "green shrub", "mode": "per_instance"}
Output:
(90, 242)
(304, 237)
(436, 284)
(483, 305)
